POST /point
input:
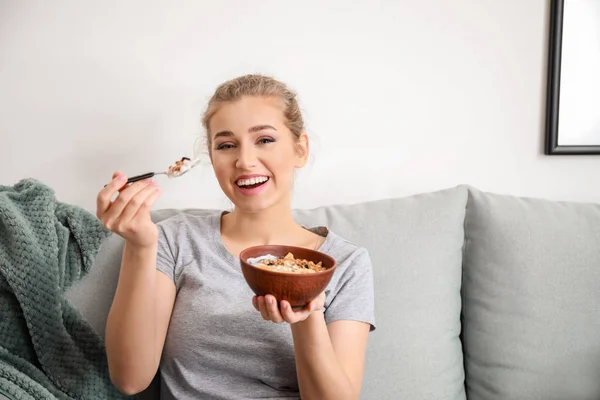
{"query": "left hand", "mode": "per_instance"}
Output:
(267, 305)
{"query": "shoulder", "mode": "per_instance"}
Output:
(349, 256)
(350, 293)
(187, 226)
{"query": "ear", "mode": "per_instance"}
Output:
(302, 150)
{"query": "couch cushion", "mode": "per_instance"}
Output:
(531, 298)
(93, 294)
(415, 244)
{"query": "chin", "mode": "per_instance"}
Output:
(266, 200)
(252, 207)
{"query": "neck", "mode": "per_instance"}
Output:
(272, 226)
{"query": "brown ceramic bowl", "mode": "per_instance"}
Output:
(296, 288)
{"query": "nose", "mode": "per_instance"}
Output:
(246, 157)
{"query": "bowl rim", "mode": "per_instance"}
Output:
(245, 261)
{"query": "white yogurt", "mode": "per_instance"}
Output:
(257, 260)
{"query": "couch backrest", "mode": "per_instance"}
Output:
(416, 247)
(530, 294)
(531, 298)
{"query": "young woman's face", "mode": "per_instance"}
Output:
(254, 154)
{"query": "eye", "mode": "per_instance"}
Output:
(224, 146)
(265, 140)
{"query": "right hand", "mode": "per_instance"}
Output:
(129, 214)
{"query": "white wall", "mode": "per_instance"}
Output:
(400, 96)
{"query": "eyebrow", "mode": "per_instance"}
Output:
(253, 129)
(259, 128)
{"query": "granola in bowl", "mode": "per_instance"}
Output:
(298, 286)
(286, 264)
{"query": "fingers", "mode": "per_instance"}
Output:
(291, 316)
(267, 306)
(262, 307)
(113, 214)
(103, 200)
(287, 312)
(138, 203)
(273, 309)
(149, 202)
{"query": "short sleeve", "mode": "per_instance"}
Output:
(165, 257)
(352, 297)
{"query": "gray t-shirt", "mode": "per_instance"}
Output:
(218, 346)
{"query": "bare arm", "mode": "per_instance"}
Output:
(329, 358)
(139, 316)
(138, 320)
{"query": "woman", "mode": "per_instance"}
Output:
(182, 302)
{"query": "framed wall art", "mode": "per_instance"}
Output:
(573, 86)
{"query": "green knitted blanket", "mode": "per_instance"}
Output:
(47, 350)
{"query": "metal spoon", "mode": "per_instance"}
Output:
(147, 175)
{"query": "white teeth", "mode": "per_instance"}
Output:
(252, 181)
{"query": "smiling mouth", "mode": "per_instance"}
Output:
(252, 182)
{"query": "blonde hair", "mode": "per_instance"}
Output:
(256, 85)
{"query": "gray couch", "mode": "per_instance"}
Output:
(478, 295)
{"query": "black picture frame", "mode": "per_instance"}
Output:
(553, 87)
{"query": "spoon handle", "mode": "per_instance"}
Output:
(140, 177)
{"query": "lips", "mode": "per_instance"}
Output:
(252, 185)
(251, 182)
